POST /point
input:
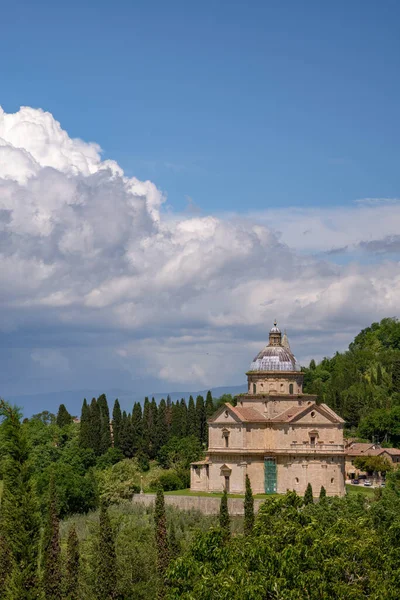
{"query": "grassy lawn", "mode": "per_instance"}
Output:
(354, 489)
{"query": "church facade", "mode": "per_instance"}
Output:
(281, 438)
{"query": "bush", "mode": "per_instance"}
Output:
(143, 462)
(110, 458)
(168, 481)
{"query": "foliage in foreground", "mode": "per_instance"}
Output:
(336, 549)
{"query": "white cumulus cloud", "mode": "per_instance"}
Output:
(97, 279)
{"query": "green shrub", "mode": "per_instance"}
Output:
(168, 481)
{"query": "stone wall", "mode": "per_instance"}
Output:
(205, 504)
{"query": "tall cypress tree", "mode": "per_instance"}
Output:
(95, 427)
(105, 431)
(126, 435)
(52, 549)
(137, 427)
(84, 427)
(116, 423)
(191, 428)
(161, 426)
(224, 518)
(184, 418)
(176, 421)
(72, 566)
(153, 428)
(146, 427)
(209, 408)
(20, 523)
(308, 496)
(5, 562)
(169, 414)
(63, 416)
(200, 419)
(322, 493)
(161, 541)
(106, 587)
(248, 508)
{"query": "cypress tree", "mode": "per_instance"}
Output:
(107, 560)
(209, 408)
(146, 422)
(116, 423)
(137, 427)
(161, 541)
(84, 428)
(169, 414)
(200, 419)
(224, 518)
(312, 366)
(308, 496)
(72, 566)
(209, 405)
(20, 524)
(95, 427)
(191, 428)
(248, 508)
(161, 426)
(176, 421)
(51, 548)
(322, 493)
(153, 428)
(184, 418)
(63, 416)
(126, 435)
(105, 430)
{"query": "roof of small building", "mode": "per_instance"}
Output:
(358, 448)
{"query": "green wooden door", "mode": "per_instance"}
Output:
(270, 475)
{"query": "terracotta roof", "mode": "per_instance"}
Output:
(392, 451)
(248, 414)
(360, 448)
(289, 414)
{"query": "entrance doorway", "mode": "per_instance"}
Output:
(270, 483)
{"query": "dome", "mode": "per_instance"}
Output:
(277, 356)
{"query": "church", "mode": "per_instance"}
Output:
(278, 436)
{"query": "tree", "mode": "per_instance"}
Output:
(126, 435)
(184, 418)
(161, 541)
(153, 428)
(322, 493)
(84, 428)
(191, 428)
(72, 566)
(224, 518)
(161, 426)
(137, 427)
(95, 427)
(308, 496)
(116, 423)
(107, 560)
(20, 522)
(200, 419)
(146, 427)
(248, 508)
(105, 431)
(173, 543)
(63, 417)
(5, 562)
(312, 366)
(51, 549)
(379, 375)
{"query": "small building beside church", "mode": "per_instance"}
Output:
(281, 438)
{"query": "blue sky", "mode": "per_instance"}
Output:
(249, 170)
(232, 104)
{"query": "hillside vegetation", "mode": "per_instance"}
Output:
(363, 384)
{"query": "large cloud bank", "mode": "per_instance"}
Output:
(98, 281)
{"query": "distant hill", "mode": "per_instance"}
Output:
(35, 403)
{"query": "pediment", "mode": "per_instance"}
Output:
(224, 415)
(317, 414)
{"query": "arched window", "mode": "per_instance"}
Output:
(291, 388)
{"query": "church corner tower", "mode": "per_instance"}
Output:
(276, 435)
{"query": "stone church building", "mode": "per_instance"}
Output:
(276, 435)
